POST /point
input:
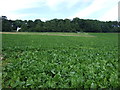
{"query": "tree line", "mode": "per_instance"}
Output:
(60, 25)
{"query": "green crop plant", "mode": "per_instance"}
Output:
(43, 61)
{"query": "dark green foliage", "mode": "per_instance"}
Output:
(6, 25)
(60, 25)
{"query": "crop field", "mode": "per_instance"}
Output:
(60, 60)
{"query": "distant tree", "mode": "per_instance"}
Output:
(76, 25)
(6, 25)
(67, 25)
(38, 25)
(60, 25)
(24, 26)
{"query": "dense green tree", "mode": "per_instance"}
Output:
(60, 25)
(67, 25)
(76, 25)
(24, 26)
(38, 25)
(6, 25)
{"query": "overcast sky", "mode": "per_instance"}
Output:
(104, 10)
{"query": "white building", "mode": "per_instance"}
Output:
(18, 28)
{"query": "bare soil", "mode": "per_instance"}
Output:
(51, 34)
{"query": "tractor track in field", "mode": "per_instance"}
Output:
(49, 34)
